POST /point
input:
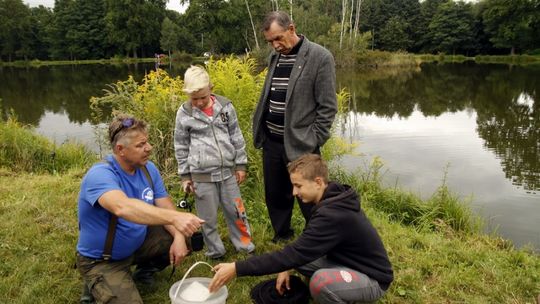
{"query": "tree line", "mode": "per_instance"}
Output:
(95, 29)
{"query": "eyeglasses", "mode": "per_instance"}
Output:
(126, 123)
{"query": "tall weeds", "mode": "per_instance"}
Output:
(21, 149)
(157, 98)
(237, 79)
(154, 100)
(444, 211)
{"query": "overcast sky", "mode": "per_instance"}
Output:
(171, 4)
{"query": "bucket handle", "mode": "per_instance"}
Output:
(187, 272)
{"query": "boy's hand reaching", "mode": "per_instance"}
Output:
(283, 282)
(187, 186)
(225, 272)
(240, 176)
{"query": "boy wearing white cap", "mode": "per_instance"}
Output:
(210, 151)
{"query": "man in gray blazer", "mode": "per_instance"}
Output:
(294, 114)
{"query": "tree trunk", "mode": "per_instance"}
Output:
(252, 26)
(372, 38)
(248, 48)
(357, 21)
(350, 22)
(343, 14)
(290, 6)
(202, 41)
(513, 51)
(276, 4)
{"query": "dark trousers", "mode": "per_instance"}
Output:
(278, 189)
(111, 281)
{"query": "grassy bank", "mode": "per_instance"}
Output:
(508, 59)
(365, 59)
(38, 63)
(380, 59)
(38, 228)
(21, 150)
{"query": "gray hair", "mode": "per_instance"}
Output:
(280, 17)
(122, 125)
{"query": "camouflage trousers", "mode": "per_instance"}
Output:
(112, 282)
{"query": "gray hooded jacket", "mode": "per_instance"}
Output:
(208, 149)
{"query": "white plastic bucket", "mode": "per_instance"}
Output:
(218, 297)
(175, 292)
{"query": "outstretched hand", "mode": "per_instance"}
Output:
(225, 272)
(187, 223)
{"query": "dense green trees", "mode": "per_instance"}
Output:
(15, 29)
(169, 35)
(135, 25)
(451, 29)
(510, 23)
(89, 29)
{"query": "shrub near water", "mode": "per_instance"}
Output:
(23, 150)
(157, 98)
(441, 211)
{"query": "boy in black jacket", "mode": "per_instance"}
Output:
(340, 251)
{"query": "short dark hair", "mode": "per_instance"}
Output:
(280, 17)
(309, 166)
(123, 124)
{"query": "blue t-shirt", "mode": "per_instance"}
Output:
(94, 219)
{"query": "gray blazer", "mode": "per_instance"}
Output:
(310, 104)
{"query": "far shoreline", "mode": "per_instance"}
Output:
(369, 59)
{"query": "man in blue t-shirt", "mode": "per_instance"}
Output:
(148, 231)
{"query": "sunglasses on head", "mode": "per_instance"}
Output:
(126, 123)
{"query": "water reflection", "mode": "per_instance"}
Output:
(504, 98)
(66, 90)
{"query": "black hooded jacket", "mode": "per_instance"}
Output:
(337, 229)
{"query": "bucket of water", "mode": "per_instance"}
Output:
(195, 290)
(191, 292)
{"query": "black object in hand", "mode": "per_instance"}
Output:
(197, 241)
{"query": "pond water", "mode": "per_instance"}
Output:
(475, 126)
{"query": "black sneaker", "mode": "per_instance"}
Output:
(218, 258)
(86, 296)
(283, 238)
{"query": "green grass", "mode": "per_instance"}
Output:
(505, 59)
(515, 59)
(38, 63)
(434, 245)
(23, 150)
(38, 228)
(378, 59)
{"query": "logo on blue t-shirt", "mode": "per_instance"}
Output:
(148, 195)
